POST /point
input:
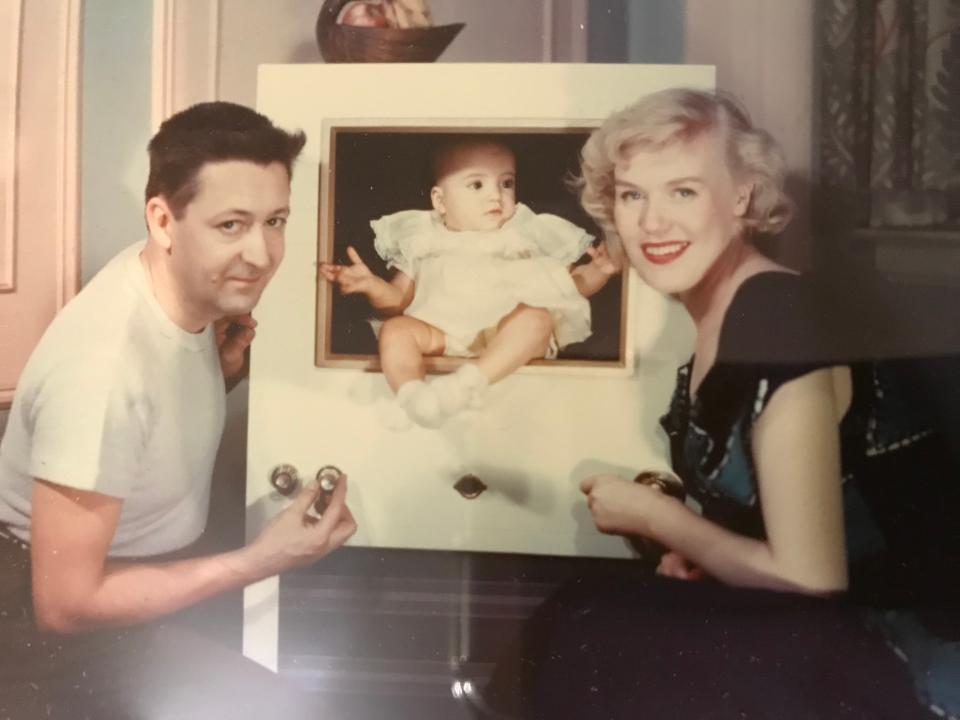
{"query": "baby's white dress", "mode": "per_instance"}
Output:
(467, 281)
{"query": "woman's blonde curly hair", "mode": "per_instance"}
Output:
(680, 115)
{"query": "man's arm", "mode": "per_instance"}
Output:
(76, 588)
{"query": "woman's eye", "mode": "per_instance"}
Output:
(230, 225)
(686, 192)
(629, 195)
(475, 185)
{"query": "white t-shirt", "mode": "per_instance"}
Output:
(119, 400)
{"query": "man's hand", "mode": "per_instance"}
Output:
(353, 278)
(292, 538)
(234, 334)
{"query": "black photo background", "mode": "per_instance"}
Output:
(377, 172)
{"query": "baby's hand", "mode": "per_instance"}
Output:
(353, 278)
(601, 260)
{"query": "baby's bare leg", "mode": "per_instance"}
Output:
(404, 341)
(522, 336)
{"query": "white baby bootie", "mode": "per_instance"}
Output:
(392, 416)
(464, 388)
(421, 403)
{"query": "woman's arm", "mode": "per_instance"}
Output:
(76, 588)
(797, 455)
(386, 298)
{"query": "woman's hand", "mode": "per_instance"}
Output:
(620, 506)
(675, 565)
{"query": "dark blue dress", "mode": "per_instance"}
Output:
(647, 646)
(899, 486)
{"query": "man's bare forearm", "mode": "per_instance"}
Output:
(130, 592)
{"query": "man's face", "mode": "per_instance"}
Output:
(478, 188)
(677, 211)
(230, 239)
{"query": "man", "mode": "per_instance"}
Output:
(106, 463)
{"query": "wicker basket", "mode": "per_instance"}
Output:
(345, 43)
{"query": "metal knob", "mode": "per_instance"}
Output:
(469, 486)
(285, 479)
(668, 484)
(327, 478)
(665, 482)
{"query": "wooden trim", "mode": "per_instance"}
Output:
(549, 51)
(162, 57)
(186, 55)
(54, 131)
(567, 41)
(11, 15)
(68, 177)
(213, 51)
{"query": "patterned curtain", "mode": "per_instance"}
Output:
(890, 112)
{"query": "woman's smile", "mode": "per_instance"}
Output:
(662, 253)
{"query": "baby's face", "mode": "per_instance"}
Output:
(478, 189)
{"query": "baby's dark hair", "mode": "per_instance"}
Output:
(213, 132)
(447, 149)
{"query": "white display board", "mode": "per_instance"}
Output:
(541, 430)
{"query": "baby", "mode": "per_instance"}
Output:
(480, 276)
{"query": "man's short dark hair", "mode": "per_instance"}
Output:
(213, 132)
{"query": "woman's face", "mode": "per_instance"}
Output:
(677, 211)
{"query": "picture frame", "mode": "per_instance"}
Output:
(376, 170)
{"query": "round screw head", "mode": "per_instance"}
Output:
(327, 477)
(285, 479)
(470, 486)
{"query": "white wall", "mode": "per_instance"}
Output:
(764, 54)
(244, 43)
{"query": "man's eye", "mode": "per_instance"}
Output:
(686, 192)
(230, 225)
(277, 222)
(509, 184)
(475, 185)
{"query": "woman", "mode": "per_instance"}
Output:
(821, 488)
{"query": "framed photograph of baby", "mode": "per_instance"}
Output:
(442, 237)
